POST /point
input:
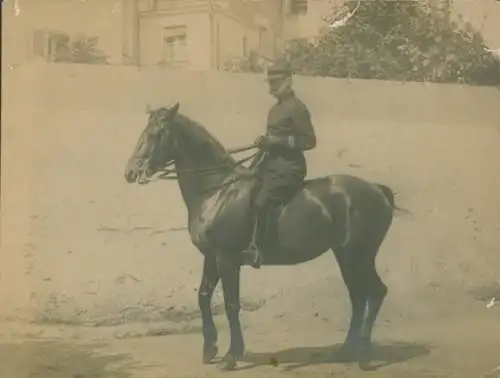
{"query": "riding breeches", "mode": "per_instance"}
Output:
(279, 178)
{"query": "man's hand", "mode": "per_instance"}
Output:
(244, 172)
(266, 141)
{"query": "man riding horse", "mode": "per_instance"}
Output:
(218, 220)
(281, 165)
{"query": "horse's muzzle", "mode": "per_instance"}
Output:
(143, 177)
(131, 176)
(137, 172)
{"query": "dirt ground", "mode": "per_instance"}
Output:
(99, 279)
(302, 342)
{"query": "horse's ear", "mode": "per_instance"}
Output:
(148, 108)
(174, 109)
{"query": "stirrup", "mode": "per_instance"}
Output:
(252, 256)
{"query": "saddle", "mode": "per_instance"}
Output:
(273, 209)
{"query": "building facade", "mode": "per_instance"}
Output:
(187, 34)
(43, 29)
(200, 34)
(190, 34)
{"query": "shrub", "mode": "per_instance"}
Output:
(80, 49)
(253, 63)
(398, 40)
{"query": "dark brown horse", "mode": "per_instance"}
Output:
(341, 213)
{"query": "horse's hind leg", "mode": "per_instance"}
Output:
(366, 292)
(208, 284)
(352, 274)
(377, 292)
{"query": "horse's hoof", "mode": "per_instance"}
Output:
(346, 354)
(209, 353)
(364, 360)
(365, 365)
(228, 363)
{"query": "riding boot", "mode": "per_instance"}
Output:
(253, 255)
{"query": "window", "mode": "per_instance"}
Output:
(175, 45)
(51, 45)
(59, 46)
(298, 6)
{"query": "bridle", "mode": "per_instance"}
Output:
(168, 173)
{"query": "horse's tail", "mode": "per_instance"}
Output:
(390, 195)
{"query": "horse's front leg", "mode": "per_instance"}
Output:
(208, 284)
(229, 271)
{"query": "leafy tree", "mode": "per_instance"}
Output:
(398, 40)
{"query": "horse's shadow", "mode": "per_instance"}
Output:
(381, 355)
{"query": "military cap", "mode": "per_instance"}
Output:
(279, 69)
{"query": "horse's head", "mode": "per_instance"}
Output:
(156, 145)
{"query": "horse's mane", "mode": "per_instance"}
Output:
(200, 136)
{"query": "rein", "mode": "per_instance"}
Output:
(166, 171)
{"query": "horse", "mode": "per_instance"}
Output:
(338, 212)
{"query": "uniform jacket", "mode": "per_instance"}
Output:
(289, 121)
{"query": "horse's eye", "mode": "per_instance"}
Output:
(153, 132)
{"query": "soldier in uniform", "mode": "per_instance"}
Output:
(281, 165)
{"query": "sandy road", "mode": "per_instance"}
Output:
(463, 341)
